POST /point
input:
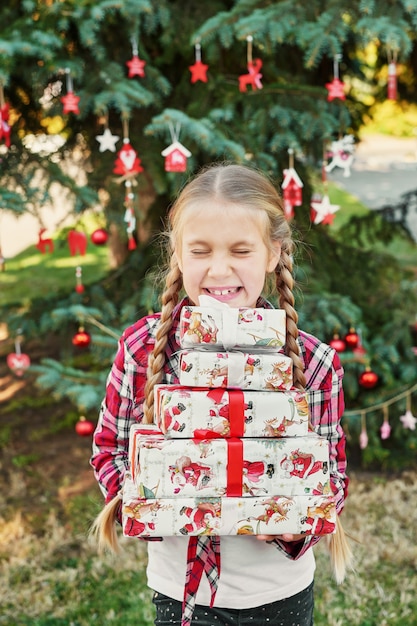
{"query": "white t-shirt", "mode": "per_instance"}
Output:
(253, 572)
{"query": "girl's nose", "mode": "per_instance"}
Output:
(219, 266)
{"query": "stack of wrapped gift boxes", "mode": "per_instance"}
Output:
(231, 451)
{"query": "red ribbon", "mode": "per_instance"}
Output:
(236, 410)
(234, 467)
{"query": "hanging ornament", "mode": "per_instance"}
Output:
(199, 69)
(368, 379)
(77, 242)
(292, 186)
(363, 437)
(385, 429)
(107, 141)
(136, 65)
(127, 162)
(81, 339)
(176, 154)
(84, 427)
(336, 87)
(130, 220)
(5, 130)
(352, 339)
(99, 237)
(408, 420)
(392, 73)
(337, 343)
(45, 244)
(322, 211)
(70, 100)
(79, 287)
(341, 153)
(17, 361)
(254, 76)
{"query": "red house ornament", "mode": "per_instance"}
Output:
(292, 191)
(176, 156)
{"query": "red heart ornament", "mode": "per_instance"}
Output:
(18, 363)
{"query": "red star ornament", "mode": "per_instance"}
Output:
(136, 67)
(70, 102)
(127, 161)
(336, 90)
(322, 212)
(198, 72)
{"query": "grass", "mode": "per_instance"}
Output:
(58, 579)
(31, 274)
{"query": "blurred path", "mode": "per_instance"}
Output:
(383, 169)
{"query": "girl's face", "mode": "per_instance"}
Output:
(222, 254)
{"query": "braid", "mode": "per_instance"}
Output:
(285, 284)
(169, 299)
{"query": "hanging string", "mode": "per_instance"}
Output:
(174, 132)
(134, 42)
(404, 394)
(291, 158)
(125, 126)
(70, 86)
(197, 47)
(336, 59)
(2, 101)
(249, 39)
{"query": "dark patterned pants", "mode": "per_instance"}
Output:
(294, 611)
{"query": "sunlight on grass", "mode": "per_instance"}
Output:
(29, 276)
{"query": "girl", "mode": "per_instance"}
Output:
(227, 233)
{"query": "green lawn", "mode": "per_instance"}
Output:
(31, 275)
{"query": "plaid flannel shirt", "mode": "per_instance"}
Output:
(123, 402)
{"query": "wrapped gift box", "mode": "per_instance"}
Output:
(230, 467)
(270, 515)
(209, 327)
(271, 372)
(182, 412)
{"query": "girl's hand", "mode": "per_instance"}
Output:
(285, 537)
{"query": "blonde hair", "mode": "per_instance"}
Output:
(248, 188)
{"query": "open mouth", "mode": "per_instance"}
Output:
(228, 291)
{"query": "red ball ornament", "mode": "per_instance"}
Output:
(81, 339)
(368, 379)
(352, 339)
(99, 237)
(337, 344)
(84, 427)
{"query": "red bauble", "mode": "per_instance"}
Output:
(82, 339)
(99, 237)
(337, 344)
(368, 379)
(352, 339)
(84, 427)
(79, 288)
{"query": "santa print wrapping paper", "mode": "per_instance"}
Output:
(273, 372)
(228, 467)
(266, 515)
(182, 412)
(203, 327)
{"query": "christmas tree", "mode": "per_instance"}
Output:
(119, 102)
